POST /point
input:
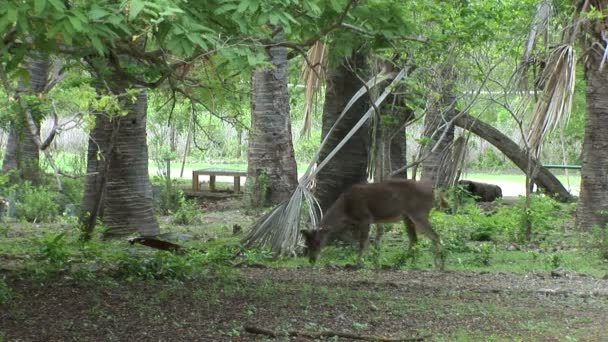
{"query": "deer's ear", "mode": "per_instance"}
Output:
(306, 232)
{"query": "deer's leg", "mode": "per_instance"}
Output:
(379, 235)
(424, 226)
(411, 231)
(363, 229)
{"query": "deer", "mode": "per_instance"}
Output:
(389, 201)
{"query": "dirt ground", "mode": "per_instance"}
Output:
(433, 306)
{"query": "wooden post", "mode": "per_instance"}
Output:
(194, 181)
(212, 183)
(237, 184)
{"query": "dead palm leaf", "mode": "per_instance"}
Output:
(555, 103)
(538, 29)
(313, 76)
(279, 229)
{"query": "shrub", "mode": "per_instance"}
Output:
(37, 203)
(170, 198)
(189, 213)
(53, 248)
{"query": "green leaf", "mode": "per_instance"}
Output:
(58, 5)
(39, 6)
(97, 44)
(76, 24)
(136, 7)
(243, 5)
(226, 8)
(97, 13)
(337, 5)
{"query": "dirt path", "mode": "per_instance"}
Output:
(437, 306)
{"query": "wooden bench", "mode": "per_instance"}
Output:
(212, 173)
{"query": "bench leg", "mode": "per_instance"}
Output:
(195, 182)
(237, 184)
(212, 183)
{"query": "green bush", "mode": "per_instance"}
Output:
(53, 248)
(170, 198)
(38, 204)
(189, 213)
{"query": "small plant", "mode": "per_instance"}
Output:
(6, 293)
(160, 265)
(555, 260)
(408, 256)
(170, 198)
(256, 256)
(483, 254)
(484, 233)
(53, 248)
(188, 213)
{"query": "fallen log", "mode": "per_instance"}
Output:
(482, 192)
(351, 336)
(544, 178)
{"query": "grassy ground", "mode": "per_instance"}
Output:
(496, 288)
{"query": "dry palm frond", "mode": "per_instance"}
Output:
(556, 101)
(313, 76)
(279, 229)
(538, 29)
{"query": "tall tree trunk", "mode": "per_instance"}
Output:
(593, 200)
(349, 165)
(271, 172)
(396, 145)
(97, 155)
(128, 201)
(22, 154)
(434, 167)
(117, 181)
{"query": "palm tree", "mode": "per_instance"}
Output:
(117, 166)
(349, 166)
(22, 153)
(593, 200)
(271, 165)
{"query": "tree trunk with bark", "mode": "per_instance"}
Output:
(118, 181)
(271, 165)
(129, 205)
(22, 153)
(436, 165)
(349, 165)
(592, 206)
(544, 178)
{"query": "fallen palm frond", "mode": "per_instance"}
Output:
(555, 103)
(279, 229)
(313, 76)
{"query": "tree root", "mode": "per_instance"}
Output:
(267, 332)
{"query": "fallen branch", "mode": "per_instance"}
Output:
(352, 336)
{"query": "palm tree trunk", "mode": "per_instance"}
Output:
(593, 200)
(434, 167)
(128, 200)
(349, 166)
(271, 173)
(22, 153)
(118, 182)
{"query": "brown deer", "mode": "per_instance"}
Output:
(363, 204)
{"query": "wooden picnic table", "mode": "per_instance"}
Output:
(212, 173)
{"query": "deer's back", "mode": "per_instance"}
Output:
(389, 201)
